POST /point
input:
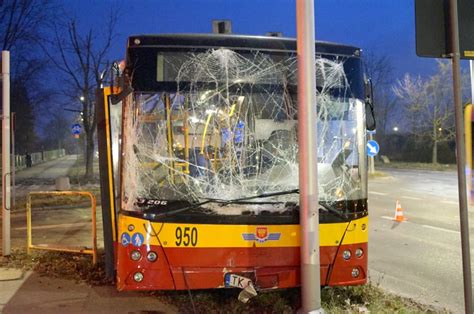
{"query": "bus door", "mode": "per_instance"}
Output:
(109, 126)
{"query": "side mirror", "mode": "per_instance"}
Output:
(119, 77)
(369, 106)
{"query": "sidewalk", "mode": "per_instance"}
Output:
(28, 292)
(49, 169)
(31, 293)
(10, 282)
(42, 177)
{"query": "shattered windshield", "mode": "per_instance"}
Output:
(229, 131)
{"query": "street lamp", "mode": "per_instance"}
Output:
(395, 128)
(82, 98)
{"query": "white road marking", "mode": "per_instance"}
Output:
(440, 229)
(411, 198)
(377, 193)
(392, 218)
(450, 202)
(426, 226)
(77, 224)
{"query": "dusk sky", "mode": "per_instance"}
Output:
(385, 27)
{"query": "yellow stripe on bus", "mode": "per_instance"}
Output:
(220, 235)
(107, 93)
(468, 141)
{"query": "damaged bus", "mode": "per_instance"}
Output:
(199, 163)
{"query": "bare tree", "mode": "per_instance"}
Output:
(22, 24)
(58, 132)
(80, 57)
(23, 21)
(430, 105)
(379, 69)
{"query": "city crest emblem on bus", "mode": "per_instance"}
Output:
(261, 235)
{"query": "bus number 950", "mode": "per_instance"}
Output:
(186, 236)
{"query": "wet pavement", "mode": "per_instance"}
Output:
(28, 292)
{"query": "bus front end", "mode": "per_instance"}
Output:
(209, 164)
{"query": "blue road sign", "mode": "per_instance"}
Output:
(372, 148)
(76, 129)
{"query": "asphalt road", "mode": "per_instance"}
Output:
(419, 258)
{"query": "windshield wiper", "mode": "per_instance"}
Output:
(263, 195)
(246, 200)
(332, 210)
(242, 200)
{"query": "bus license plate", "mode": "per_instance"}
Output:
(236, 281)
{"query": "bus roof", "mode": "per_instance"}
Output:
(243, 42)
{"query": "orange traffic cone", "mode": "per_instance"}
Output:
(399, 213)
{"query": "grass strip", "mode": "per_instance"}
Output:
(416, 166)
(351, 299)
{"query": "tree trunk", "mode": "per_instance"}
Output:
(89, 156)
(435, 152)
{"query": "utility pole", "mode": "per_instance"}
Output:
(6, 186)
(371, 158)
(461, 156)
(308, 159)
(442, 31)
(13, 159)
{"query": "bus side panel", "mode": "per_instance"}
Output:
(342, 270)
(156, 275)
(106, 180)
(355, 241)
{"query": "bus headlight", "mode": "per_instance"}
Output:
(339, 193)
(138, 277)
(135, 255)
(359, 252)
(355, 272)
(151, 256)
(346, 254)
